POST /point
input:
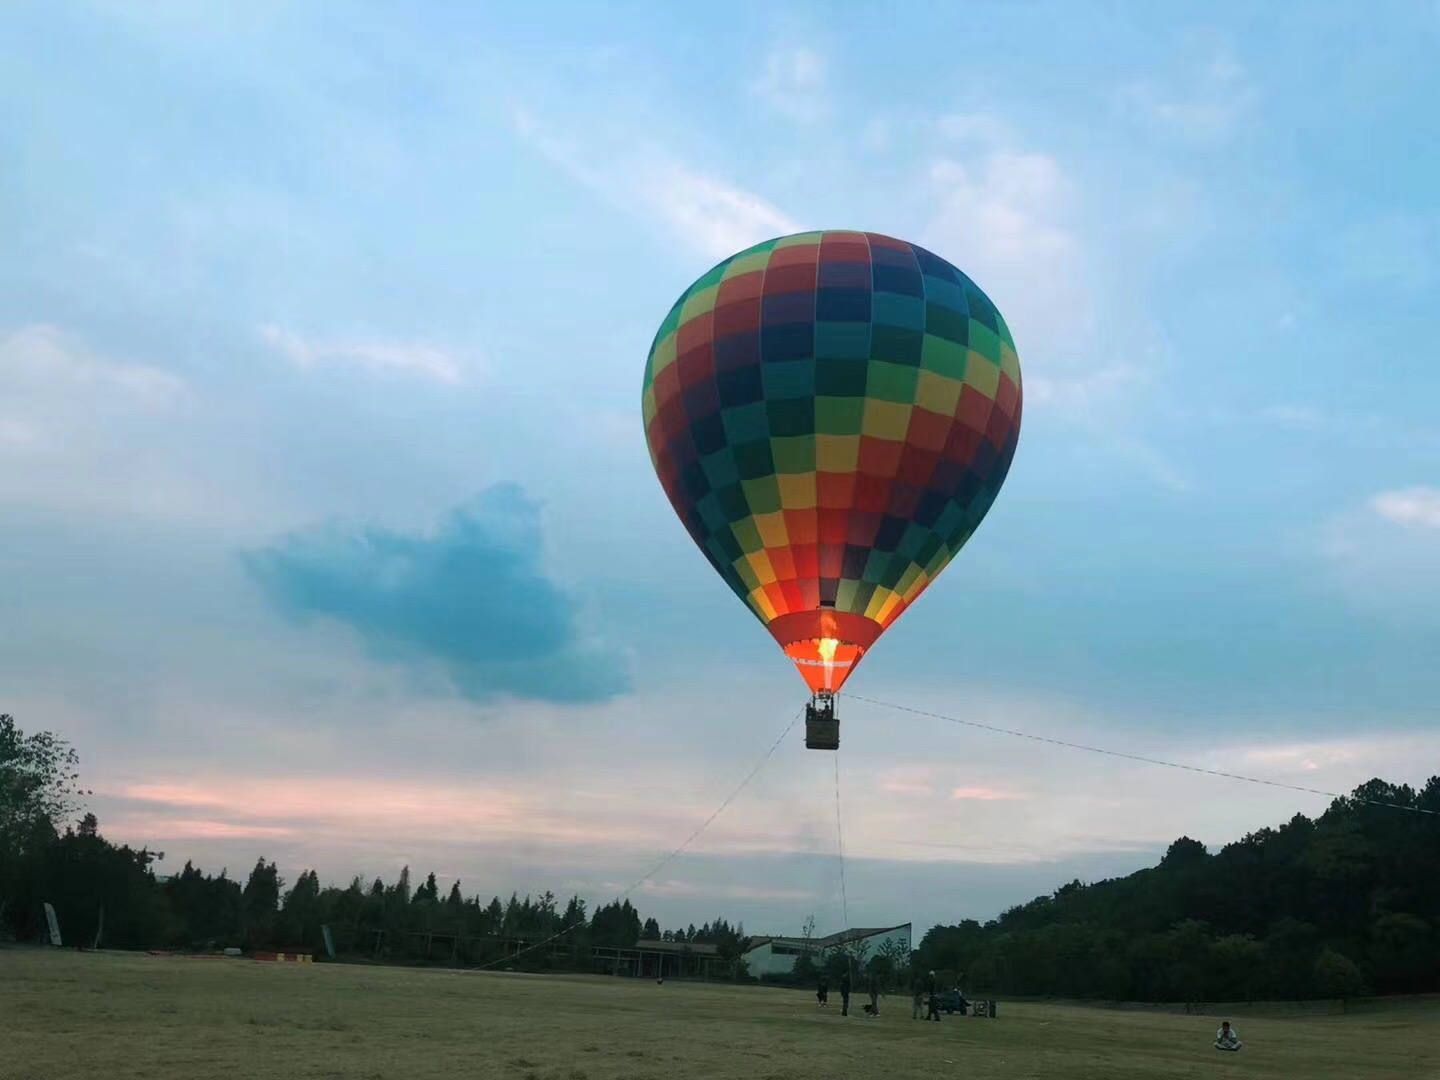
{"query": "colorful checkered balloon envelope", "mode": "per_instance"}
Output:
(831, 415)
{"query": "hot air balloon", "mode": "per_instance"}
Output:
(831, 415)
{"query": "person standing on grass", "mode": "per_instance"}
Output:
(822, 991)
(917, 995)
(845, 993)
(874, 989)
(932, 990)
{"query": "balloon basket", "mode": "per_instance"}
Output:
(822, 726)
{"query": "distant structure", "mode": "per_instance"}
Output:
(777, 955)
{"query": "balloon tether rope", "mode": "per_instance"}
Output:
(840, 851)
(1135, 757)
(663, 862)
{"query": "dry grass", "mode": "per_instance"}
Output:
(66, 1016)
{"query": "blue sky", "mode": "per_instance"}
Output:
(321, 335)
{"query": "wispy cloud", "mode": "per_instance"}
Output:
(679, 889)
(1369, 429)
(1010, 214)
(703, 212)
(1419, 506)
(1080, 394)
(1010, 203)
(793, 83)
(41, 357)
(911, 780)
(1384, 555)
(406, 358)
(80, 431)
(1207, 109)
(1006, 212)
(983, 794)
(712, 216)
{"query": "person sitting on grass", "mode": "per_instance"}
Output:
(1227, 1038)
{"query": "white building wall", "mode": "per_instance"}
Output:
(763, 961)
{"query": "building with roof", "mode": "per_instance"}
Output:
(777, 955)
(659, 958)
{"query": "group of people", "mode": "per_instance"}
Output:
(822, 993)
(921, 988)
(925, 991)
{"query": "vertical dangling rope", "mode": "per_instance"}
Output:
(840, 845)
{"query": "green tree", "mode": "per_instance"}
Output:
(892, 962)
(39, 788)
(259, 903)
(1184, 854)
(1235, 968)
(615, 925)
(1337, 976)
(299, 923)
(1403, 953)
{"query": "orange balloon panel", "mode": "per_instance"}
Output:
(825, 646)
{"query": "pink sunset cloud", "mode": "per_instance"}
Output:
(983, 794)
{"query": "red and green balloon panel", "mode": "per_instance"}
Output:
(831, 415)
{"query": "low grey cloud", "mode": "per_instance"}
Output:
(472, 597)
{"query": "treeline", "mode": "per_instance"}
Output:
(112, 894)
(1342, 906)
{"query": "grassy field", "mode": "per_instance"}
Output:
(64, 1016)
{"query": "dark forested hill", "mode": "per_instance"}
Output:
(1336, 907)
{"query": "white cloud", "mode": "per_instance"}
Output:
(1208, 110)
(1080, 394)
(45, 359)
(703, 212)
(408, 358)
(1004, 216)
(81, 431)
(1384, 556)
(1010, 215)
(714, 217)
(793, 83)
(1419, 506)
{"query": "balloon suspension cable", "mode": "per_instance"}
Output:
(1137, 757)
(663, 862)
(840, 851)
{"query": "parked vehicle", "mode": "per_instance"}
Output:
(951, 1002)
